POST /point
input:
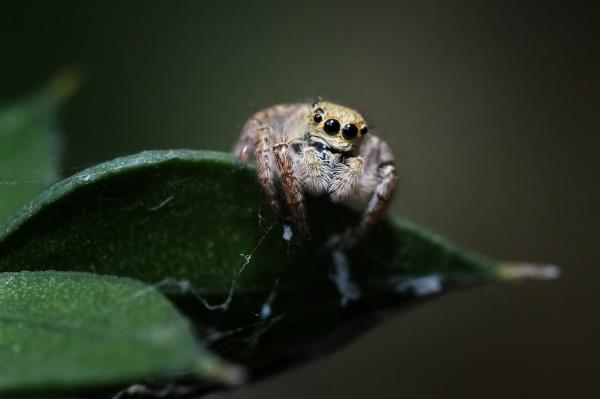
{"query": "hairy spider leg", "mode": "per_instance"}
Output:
(291, 187)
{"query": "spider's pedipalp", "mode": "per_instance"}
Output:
(345, 177)
(314, 172)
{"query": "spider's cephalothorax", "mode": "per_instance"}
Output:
(322, 148)
(338, 128)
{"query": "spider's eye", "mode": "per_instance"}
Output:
(350, 131)
(364, 131)
(331, 126)
(318, 118)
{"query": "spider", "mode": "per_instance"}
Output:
(319, 149)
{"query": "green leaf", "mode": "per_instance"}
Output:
(193, 224)
(30, 145)
(68, 329)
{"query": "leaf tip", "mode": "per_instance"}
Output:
(221, 371)
(527, 271)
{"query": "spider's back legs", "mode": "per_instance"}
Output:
(247, 144)
(272, 117)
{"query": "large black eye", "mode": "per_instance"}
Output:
(364, 131)
(350, 131)
(331, 126)
(318, 118)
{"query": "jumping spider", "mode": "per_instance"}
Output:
(320, 149)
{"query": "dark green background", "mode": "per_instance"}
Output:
(493, 110)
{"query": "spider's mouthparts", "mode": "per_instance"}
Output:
(317, 145)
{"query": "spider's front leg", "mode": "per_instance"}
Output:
(256, 140)
(380, 179)
(265, 164)
(292, 188)
(381, 198)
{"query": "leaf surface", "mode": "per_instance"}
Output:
(71, 330)
(193, 224)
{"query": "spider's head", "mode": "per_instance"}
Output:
(339, 127)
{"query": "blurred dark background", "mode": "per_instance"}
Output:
(492, 108)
